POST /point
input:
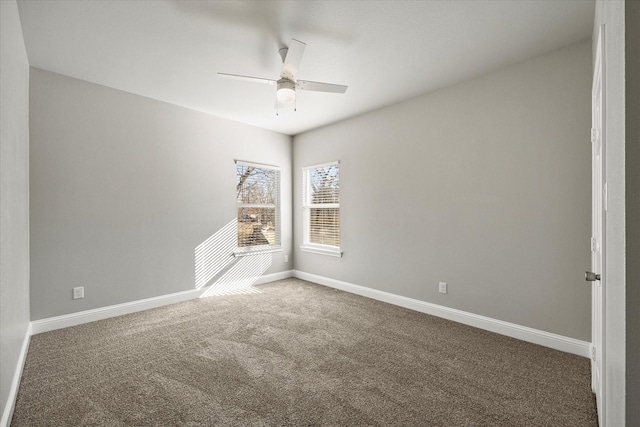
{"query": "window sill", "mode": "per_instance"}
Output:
(258, 250)
(322, 251)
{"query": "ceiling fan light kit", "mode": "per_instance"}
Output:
(286, 93)
(287, 84)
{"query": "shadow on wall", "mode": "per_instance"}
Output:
(219, 272)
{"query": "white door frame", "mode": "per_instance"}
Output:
(599, 207)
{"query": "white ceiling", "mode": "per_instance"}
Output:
(385, 51)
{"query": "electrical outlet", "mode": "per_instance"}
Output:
(442, 288)
(78, 292)
(286, 258)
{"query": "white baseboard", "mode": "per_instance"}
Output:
(7, 413)
(73, 319)
(547, 339)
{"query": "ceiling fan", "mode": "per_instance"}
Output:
(288, 82)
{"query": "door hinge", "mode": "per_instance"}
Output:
(593, 244)
(605, 197)
(594, 133)
(593, 353)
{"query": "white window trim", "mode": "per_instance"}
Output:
(316, 248)
(322, 249)
(262, 249)
(256, 250)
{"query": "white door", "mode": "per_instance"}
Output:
(599, 200)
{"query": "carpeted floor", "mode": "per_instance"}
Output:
(296, 354)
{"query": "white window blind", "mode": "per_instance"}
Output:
(321, 208)
(258, 206)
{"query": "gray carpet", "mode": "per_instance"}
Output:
(296, 354)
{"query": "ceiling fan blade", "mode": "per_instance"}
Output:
(248, 78)
(320, 87)
(292, 60)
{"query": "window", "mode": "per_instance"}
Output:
(258, 206)
(321, 209)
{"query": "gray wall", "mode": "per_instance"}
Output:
(124, 188)
(14, 196)
(611, 14)
(485, 185)
(632, 178)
